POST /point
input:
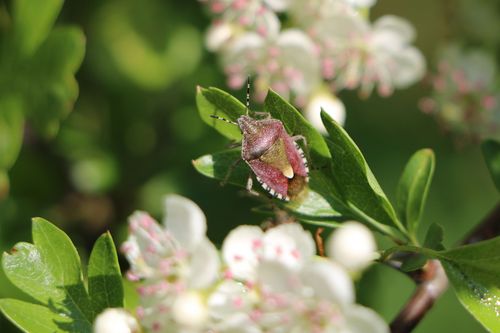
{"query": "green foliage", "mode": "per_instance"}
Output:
(473, 270)
(37, 66)
(433, 240)
(49, 271)
(213, 101)
(341, 184)
(491, 152)
(413, 187)
(104, 277)
(356, 182)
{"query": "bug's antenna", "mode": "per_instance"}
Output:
(248, 96)
(223, 119)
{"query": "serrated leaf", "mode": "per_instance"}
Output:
(413, 187)
(474, 272)
(49, 270)
(213, 101)
(491, 153)
(29, 317)
(32, 22)
(355, 181)
(311, 205)
(104, 276)
(11, 130)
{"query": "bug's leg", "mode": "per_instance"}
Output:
(233, 144)
(230, 171)
(250, 186)
(264, 115)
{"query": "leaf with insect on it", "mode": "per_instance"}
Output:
(296, 124)
(213, 101)
(356, 182)
(311, 206)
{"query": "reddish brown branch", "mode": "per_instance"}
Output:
(319, 242)
(434, 283)
(431, 279)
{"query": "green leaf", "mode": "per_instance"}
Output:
(356, 183)
(30, 317)
(474, 272)
(104, 276)
(53, 88)
(413, 187)
(11, 130)
(491, 153)
(311, 205)
(433, 240)
(213, 101)
(32, 22)
(434, 237)
(49, 270)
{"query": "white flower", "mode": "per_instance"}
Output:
(325, 100)
(357, 54)
(189, 310)
(251, 15)
(287, 62)
(171, 261)
(361, 3)
(267, 290)
(352, 245)
(246, 246)
(114, 320)
(219, 35)
(464, 98)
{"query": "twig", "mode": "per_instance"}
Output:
(434, 283)
(431, 279)
(319, 242)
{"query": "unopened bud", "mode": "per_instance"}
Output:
(115, 321)
(352, 245)
(330, 104)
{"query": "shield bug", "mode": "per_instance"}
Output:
(278, 162)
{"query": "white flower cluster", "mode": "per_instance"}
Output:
(465, 98)
(261, 282)
(327, 43)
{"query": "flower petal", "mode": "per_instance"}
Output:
(204, 265)
(398, 26)
(329, 281)
(364, 320)
(185, 221)
(240, 251)
(289, 244)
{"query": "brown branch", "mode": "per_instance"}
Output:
(434, 283)
(431, 279)
(319, 242)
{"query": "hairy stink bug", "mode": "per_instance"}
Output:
(274, 156)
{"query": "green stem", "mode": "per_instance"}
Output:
(409, 248)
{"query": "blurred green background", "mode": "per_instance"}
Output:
(134, 131)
